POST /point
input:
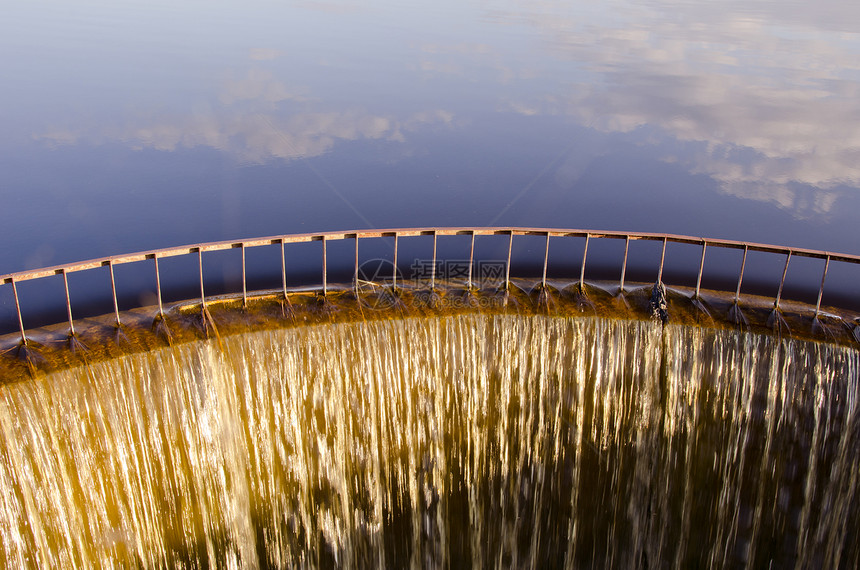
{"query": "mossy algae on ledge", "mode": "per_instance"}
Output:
(99, 338)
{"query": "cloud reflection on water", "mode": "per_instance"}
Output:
(773, 97)
(764, 97)
(253, 124)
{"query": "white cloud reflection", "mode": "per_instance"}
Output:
(259, 137)
(258, 117)
(258, 85)
(764, 96)
(768, 91)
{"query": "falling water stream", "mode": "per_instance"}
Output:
(471, 440)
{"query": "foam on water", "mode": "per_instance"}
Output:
(482, 440)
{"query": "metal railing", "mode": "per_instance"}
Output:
(283, 240)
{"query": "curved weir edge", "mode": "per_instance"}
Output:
(100, 338)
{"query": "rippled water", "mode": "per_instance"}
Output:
(495, 441)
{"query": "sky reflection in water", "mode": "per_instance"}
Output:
(129, 127)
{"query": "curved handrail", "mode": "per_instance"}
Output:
(282, 240)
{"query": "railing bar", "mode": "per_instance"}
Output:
(545, 261)
(296, 238)
(821, 289)
(325, 267)
(69, 304)
(244, 280)
(394, 270)
(624, 264)
(158, 288)
(741, 276)
(782, 281)
(701, 269)
(433, 268)
(113, 291)
(214, 246)
(18, 310)
(202, 293)
(582, 269)
(471, 260)
(662, 260)
(284, 271)
(508, 266)
(355, 268)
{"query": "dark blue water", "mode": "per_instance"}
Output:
(145, 125)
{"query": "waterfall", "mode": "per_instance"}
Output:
(471, 440)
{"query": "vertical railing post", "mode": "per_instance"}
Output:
(394, 270)
(821, 288)
(624, 263)
(68, 303)
(545, 261)
(662, 260)
(471, 260)
(782, 281)
(325, 267)
(508, 265)
(701, 270)
(741, 275)
(355, 268)
(433, 268)
(113, 291)
(18, 310)
(158, 286)
(244, 278)
(200, 265)
(582, 268)
(284, 271)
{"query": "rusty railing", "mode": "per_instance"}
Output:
(283, 240)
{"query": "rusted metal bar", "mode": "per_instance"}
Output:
(202, 293)
(158, 286)
(64, 270)
(821, 288)
(624, 264)
(508, 265)
(582, 267)
(741, 277)
(471, 260)
(405, 232)
(284, 271)
(69, 305)
(113, 291)
(545, 261)
(433, 268)
(662, 260)
(394, 269)
(325, 268)
(701, 269)
(18, 310)
(782, 281)
(355, 268)
(244, 282)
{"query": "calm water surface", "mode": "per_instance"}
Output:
(145, 125)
